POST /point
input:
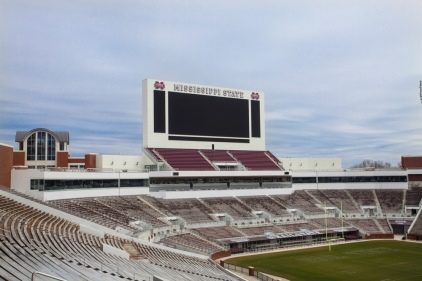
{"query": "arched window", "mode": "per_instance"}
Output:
(41, 146)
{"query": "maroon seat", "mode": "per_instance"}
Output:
(199, 160)
(255, 160)
(184, 159)
(218, 156)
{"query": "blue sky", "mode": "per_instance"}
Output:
(340, 77)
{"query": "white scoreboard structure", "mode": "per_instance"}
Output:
(182, 115)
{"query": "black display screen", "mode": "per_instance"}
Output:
(159, 112)
(200, 115)
(256, 119)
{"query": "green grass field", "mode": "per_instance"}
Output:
(362, 261)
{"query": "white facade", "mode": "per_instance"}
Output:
(350, 185)
(311, 164)
(216, 173)
(21, 182)
(122, 162)
(161, 140)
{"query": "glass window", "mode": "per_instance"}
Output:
(51, 148)
(133, 182)
(41, 144)
(30, 153)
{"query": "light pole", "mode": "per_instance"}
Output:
(420, 90)
(118, 184)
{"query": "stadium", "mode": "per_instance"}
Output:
(205, 189)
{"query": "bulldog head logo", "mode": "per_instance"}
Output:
(255, 96)
(159, 85)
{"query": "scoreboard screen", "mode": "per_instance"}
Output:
(200, 115)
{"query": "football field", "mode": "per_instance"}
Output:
(361, 261)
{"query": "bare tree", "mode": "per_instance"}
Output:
(374, 164)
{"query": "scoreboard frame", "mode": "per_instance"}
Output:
(156, 115)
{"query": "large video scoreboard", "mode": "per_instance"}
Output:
(181, 115)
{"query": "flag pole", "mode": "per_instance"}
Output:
(342, 221)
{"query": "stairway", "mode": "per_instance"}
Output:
(134, 254)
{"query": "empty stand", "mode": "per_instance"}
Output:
(191, 210)
(220, 232)
(218, 156)
(189, 241)
(261, 230)
(417, 227)
(32, 240)
(133, 208)
(299, 200)
(363, 197)
(371, 225)
(199, 160)
(413, 196)
(337, 198)
(391, 201)
(229, 205)
(322, 223)
(254, 160)
(265, 203)
(184, 159)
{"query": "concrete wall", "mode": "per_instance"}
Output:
(122, 162)
(311, 164)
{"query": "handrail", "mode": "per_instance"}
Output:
(46, 275)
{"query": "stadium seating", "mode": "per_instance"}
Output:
(199, 160)
(33, 240)
(261, 230)
(184, 159)
(191, 242)
(220, 232)
(218, 155)
(417, 227)
(255, 160)
(92, 210)
(265, 203)
(371, 225)
(413, 196)
(299, 200)
(134, 208)
(337, 198)
(191, 210)
(363, 197)
(230, 206)
(320, 223)
(295, 227)
(391, 201)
